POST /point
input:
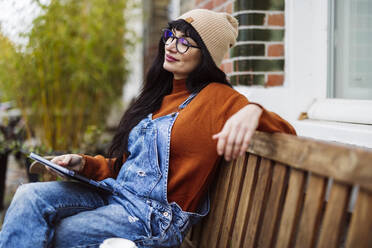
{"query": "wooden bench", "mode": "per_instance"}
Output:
(289, 191)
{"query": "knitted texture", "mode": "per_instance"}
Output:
(218, 30)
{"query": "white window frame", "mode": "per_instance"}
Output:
(307, 34)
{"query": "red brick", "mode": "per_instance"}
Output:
(228, 67)
(276, 20)
(274, 80)
(207, 5)
(198, 1)
(217, 3)
(275, 50)
(229, 8)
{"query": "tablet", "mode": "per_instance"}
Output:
(71, 174)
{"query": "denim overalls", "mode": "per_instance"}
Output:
(68, 214)
(144, 178)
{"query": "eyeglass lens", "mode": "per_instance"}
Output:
(181, 44)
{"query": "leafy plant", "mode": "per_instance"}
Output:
(71, 72)
(12, 132)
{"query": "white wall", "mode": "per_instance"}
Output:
(135, 57)
(306, 51)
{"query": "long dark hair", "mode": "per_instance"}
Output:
(158, 83)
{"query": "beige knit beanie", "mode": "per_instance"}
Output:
(218, 30)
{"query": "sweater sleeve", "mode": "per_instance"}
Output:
(98, 167)
(273, 123)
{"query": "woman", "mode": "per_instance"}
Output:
(164, 153)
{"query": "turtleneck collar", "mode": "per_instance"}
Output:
(179, 85)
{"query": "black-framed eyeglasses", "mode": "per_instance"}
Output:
(182, 44)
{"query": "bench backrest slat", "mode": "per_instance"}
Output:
(311, 212)
(274, 206)
(232, 201)
(258, 201)
(289, 191)
(244, 205)
(217, 210)
(360, 231)
(344, 163)
(331, 230)
(291, 209)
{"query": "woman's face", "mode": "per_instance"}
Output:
(180, 64)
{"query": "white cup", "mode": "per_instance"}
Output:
(117, 243)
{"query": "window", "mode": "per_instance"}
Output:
(350, 49)
(311, 74)
(350, 63)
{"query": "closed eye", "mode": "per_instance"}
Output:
(184, 41)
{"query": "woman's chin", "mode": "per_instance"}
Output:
(167, 67)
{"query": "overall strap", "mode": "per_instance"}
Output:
(187, 101)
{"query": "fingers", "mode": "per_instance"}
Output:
(76, 162)
(237, 132)
(71, 161)
(247, 138)
(51, 172)
(222, 139)
(229, 141)
(62, 160)
(57, 159)
(66, 160)
(239, 142)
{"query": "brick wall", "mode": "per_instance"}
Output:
(155, 17)
(258, 57)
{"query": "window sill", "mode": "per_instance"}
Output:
(355, 134)
(342, 110)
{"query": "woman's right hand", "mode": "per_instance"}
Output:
(73, 162)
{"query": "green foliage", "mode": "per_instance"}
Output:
(72, 70)
(12, 132)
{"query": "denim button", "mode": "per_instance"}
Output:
(165, 214)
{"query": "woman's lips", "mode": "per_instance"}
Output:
(170, 58)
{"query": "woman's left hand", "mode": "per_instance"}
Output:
(238, 130)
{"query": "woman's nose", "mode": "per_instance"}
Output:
(172, 46)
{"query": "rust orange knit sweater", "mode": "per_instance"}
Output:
(193, 154)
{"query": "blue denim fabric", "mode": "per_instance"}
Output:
(68, 214)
